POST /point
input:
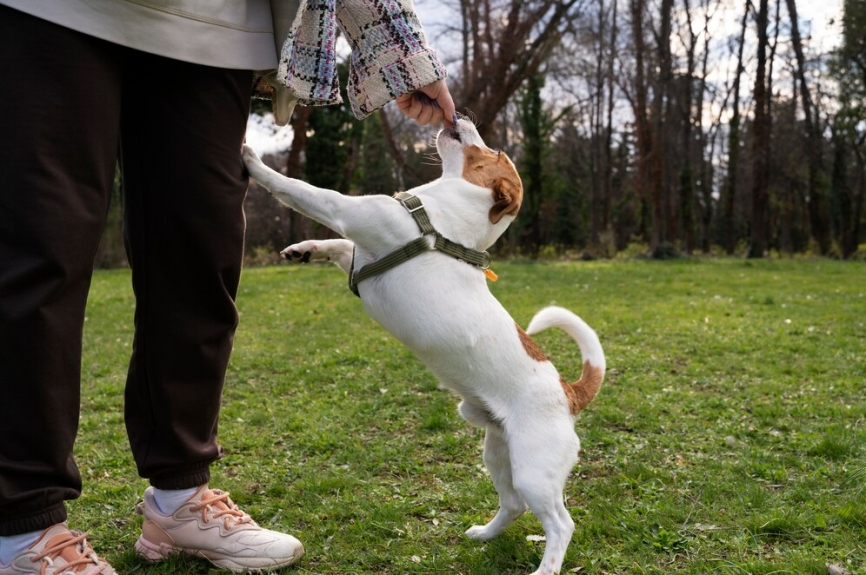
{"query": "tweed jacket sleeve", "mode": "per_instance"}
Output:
(390, 56)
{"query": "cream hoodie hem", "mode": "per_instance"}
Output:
(237, 34)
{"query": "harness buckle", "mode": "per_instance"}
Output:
(405, 202)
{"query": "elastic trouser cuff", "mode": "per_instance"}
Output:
(43, 519)
(183, 480)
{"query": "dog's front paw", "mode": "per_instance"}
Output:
(251, 158)
(249, 154)
(303, 252)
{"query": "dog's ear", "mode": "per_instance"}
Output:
(507, 197)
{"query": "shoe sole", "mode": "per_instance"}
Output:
(157, 552)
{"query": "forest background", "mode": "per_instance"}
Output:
(640, 127)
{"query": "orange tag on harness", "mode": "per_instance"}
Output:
(488, 273)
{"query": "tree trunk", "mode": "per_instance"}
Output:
(533, 164)
(729, 192)
(643, 133)
(706, 186)
(760, 141)
(596, 188)
(686, 180)
(851, 217)
(608, 144)
(818, 206)
(658, 190)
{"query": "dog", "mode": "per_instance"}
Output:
(431, 294)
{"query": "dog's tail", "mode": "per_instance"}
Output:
(584, 390)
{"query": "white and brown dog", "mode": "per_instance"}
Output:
(436, 301)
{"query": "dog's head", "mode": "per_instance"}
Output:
(465, 155)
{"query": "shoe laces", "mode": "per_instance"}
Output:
(219, 506)
(74, 549)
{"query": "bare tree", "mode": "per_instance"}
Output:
(601, 118)
(851, 227)
(595, 120)
(729, 191)
(637, 92)
(504, 43)
(686, 178)
(661, 112)
(760, 140)
(819, 211)
(608, 140)
(705, 178)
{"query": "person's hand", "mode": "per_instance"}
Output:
(430, 105)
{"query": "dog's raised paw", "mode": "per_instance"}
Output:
(250, 158)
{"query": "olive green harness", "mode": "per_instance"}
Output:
(417, 246)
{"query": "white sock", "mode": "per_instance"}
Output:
(14, 545)
(169, 500)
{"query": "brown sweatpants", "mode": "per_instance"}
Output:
(71, 106)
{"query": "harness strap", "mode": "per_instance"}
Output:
(417, 246)
(414, 248)
(414, 206)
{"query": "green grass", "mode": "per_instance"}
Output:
(728, 438)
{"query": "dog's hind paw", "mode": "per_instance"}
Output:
(480, 533)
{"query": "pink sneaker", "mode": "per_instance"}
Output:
(58, 551)
(210, 525)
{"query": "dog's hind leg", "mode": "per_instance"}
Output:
(498, 463)
(542, 461)
(337, 251)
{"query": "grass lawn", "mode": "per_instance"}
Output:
(729, 436)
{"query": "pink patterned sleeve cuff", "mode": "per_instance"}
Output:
(372, 87)
(390, 56)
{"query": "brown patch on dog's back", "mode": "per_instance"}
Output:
(583, 391)
(532, 350)
(494, 170)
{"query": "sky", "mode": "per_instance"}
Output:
(820, 17)
(820, 13)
